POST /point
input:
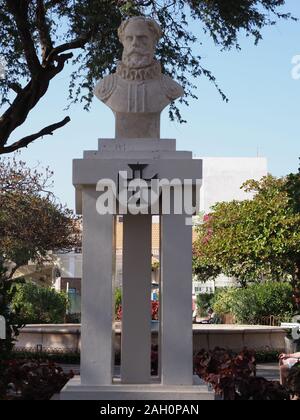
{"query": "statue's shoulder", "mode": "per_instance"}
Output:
(172, 89)
(106, 87)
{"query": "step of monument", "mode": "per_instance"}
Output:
(90, 154)
(163, 145)
(74, 390)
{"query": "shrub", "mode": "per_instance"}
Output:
(233, 376)
(267, 356)
(69, 357)
(154, 310)
(118, 299)
(73, 318)
(224, 298)
(31, 379)
(7, 292)
(39, 305)
(255, 302)
(204, 302)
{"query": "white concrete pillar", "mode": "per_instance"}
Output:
(136, 320)
(96, 330)
(176, 301)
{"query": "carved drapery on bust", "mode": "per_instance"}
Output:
(138, 92)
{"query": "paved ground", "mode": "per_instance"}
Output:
(268, 371)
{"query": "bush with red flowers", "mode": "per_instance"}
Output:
(155, 311)
(233, 376)
(31, 379)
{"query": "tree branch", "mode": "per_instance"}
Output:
(19, 9)
(16, 87)
(44, 30)
(61, 61)
(53, 62)
(77, 43)
(27, 99)
(47, 131)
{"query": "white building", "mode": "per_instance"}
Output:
(223, 178)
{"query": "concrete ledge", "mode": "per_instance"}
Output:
(60, 337)
(237, 337)
(67, 337)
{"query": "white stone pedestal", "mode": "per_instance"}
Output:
(74, 390)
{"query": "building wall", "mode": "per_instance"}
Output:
(70, 265)
(71, 283)
(223, 178)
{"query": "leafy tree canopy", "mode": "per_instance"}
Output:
(38, 38)
(32, 222)
(253, 239)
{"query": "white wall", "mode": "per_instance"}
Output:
(223, 178)
(70, 265)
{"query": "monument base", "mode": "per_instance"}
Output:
(75, 391)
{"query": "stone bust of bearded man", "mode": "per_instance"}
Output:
(138, 91)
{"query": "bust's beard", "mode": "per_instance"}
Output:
(136, 60)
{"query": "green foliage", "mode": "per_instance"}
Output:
(292, 187)
(267, 356)
(249, 305)
(155, 265)
(39, 305)
(39, 38)
(253, 240)
(7, 293)
(204, 302)
(55, 356)
(98, 21)
(118, 299)
(224, 300)
(32, 222)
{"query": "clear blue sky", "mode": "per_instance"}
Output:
(262, 116)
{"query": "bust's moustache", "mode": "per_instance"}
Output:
(136, 51)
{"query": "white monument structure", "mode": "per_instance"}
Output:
(136, 93)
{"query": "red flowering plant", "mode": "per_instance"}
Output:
(119, 313)
(203, 265)
(154, 310)
(233, 376)
(31, 379)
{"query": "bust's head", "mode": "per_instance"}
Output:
(139, 37)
